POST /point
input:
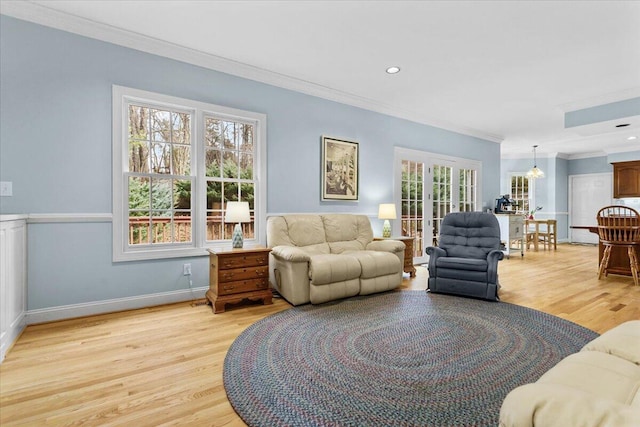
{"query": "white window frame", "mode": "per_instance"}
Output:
(532, 189)
(122, 251)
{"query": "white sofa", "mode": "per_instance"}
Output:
(320, 258)
(598, 386)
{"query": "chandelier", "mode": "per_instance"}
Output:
(535, 172)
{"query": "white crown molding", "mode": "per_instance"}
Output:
(621, 149)
(43, 15)
(607, 98)
(527, 156)
(587, 155)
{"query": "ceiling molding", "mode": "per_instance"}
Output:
(42, 15)
(587, 155)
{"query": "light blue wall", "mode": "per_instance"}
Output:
(601, 113)
(590, 165)
(55, 146)
(625, 157)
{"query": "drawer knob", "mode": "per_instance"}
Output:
(228, 287)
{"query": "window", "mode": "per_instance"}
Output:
(520, 192)
(180, 162)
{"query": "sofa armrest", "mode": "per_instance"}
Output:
(290, 253)
(393, 246)
(554, 405)
(492, 265)
(434, 253)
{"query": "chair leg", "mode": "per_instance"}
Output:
(633, 261)
(604, 262)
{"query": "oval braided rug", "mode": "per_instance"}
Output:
(404, 358)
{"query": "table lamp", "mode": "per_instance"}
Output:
(237, 212)
(386, 211)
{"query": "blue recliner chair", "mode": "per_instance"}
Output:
(465, 262)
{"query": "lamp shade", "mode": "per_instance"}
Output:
(237, 212)
(535, 172)
(387, 211)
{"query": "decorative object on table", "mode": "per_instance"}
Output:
(339, 169)
(535, 172)
(237, 212)
(398, 358)
(533, 211)
(386, 211)
(504, 205)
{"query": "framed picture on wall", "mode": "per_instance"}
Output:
(339, 169)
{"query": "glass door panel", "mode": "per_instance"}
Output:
(441, 198)
(412, 204)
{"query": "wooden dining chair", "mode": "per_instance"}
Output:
(619, 226)
(541, 232)
(547, 235)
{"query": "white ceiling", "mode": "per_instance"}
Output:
(504, 71)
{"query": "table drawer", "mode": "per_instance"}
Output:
(229, 288)
(235, 274)
(237, 261)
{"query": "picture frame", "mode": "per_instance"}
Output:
(339, 169)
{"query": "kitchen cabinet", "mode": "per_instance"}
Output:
(511, 232)
(626, 179)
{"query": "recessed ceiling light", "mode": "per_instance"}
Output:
(631, 138)
(393, 70)
(622, 125)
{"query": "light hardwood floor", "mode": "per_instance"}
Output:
(163, 365)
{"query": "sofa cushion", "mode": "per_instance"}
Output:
(376, 264)
(296, 230)
(346, 246)
(598, 374)
(469, 234)
(622, 341)
(471, 264)
(330, 268)
(348, 227)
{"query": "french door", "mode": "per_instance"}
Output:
(455, 189)
(430, 187)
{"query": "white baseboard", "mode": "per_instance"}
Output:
(11, 335)
(109, 306)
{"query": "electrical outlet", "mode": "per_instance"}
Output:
(6, 188)
(186, 269)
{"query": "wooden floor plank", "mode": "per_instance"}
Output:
(163, 365)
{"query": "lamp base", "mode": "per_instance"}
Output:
(236, 239)
(386, 229)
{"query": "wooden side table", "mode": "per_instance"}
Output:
(408, 252)
(237, 275)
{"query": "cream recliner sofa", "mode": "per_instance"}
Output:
(320, 258)
(598, 386)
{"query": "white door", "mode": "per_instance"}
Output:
(587, 194)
